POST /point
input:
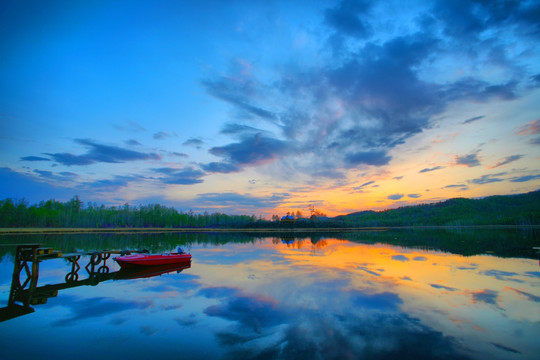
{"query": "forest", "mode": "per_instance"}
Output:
(517, 210)
(72, 214)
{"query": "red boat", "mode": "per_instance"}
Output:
(153, 260)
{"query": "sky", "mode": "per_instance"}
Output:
(264, 107)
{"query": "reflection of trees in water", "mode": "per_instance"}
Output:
(294, 242)
(154, 242)
(501, 242)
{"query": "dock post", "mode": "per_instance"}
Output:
(24, 255)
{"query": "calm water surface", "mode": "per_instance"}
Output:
(428, 295)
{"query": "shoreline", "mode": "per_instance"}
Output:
(37, 231)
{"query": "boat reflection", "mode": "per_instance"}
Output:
(138, 272)
(26, 293)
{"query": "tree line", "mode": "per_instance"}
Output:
(519, 210)
(72, 213)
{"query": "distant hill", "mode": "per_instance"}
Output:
(522, 209)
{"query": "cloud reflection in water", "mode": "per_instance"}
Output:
(345, 300)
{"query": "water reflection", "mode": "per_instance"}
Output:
(26, 293)
(308, 296)
(499, 242)
(374, 301)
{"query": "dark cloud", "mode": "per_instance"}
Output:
(459, 18)
(506, 348)
(507, 160)
(62, 176)
(234, 129)
(502, 275)
(466, 20)
(97, 308)
(368, 271)
(401, 258)
(487, 179)
(384, 103)
(101, 153)
(377, 158)
(456, 186)
(478, 90)
(313, 334)
(367, 183)
(527, 295)
(371, 96)
(348, 336)
(250, 311)
(507, 91)
(161, 135)
(431, 169)
(461, 89)
(473, 267)
(364, 185)
(15, 185)
(533, 273)
(385, 301)
(34, 158)
(251, 150)
(240, 93)
(187, 321)
(132, 142)
(220, 167)
(197, 143)
(185, 176)
(473, 119)
(395, 196)
(470, 160)
(442, 287)
(485, 296)
(381, 86)
(177, 154)
(263, 328)
(525, 178)
(70, 159)
(68, 183)
(414, 196)
(230, 339)
(148, 330)
(348, 18)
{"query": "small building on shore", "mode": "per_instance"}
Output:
(287, 219)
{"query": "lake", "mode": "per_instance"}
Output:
(420, 294)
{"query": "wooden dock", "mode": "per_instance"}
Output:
(24, 290)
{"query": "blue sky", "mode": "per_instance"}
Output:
(271, 106)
